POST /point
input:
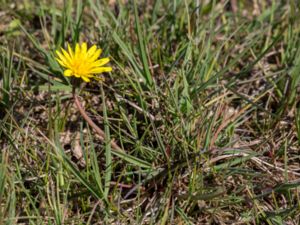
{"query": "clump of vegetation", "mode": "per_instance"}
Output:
(195, 119)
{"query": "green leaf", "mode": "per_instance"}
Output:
(131, 159)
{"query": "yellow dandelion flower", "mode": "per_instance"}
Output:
(82, 63)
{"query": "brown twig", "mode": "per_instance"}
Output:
(98, 130)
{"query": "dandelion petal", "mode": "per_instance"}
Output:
(101, 70)
(82, 62)
(68, 73)
(86, 79)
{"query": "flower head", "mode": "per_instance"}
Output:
(82, 63)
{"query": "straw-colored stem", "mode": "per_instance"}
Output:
(98, 130)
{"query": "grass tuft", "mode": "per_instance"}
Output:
(203, 99)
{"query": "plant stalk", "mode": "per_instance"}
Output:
(98, 130)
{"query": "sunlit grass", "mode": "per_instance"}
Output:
(203, 99)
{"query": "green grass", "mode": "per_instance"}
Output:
(203, 99)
